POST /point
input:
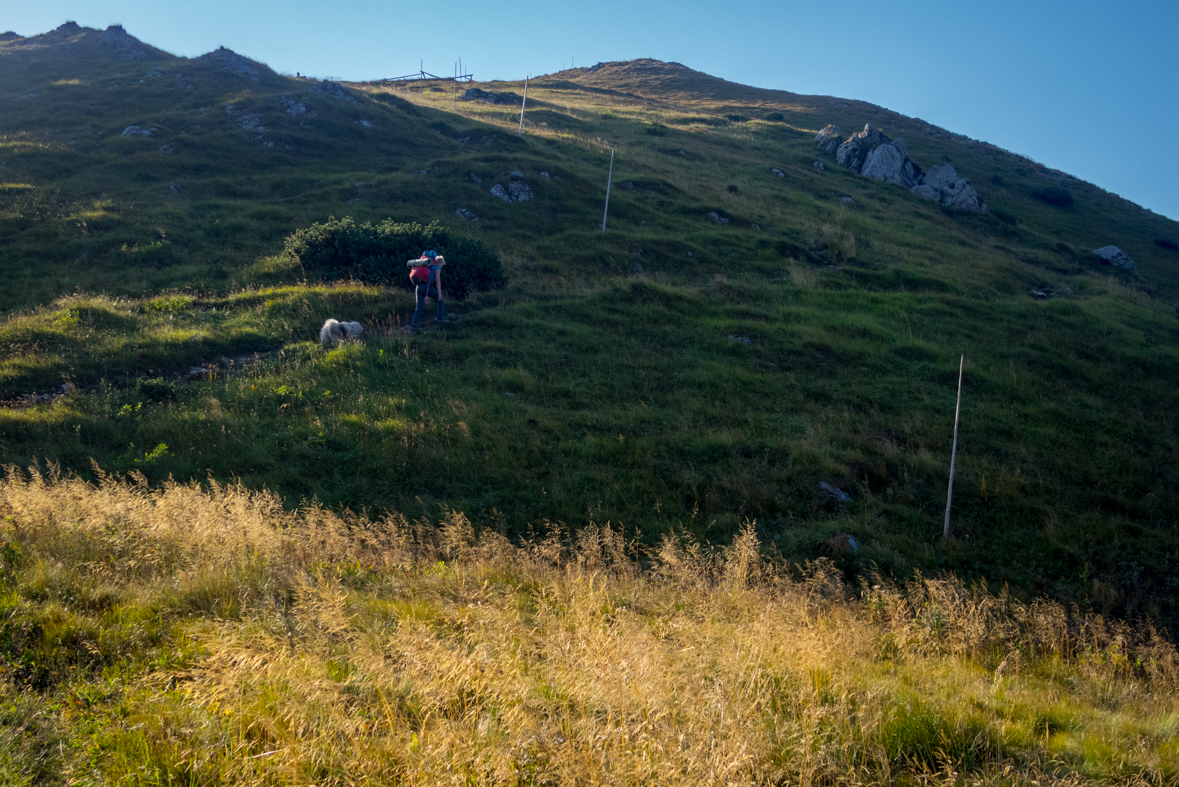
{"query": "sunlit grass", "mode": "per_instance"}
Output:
(213, 638)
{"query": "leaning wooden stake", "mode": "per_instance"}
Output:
(954, 451)
(523, 102)
(609, 178)
(454, 99)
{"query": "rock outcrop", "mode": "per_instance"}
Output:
(124, 45)
(874, 155)
(233, 63)
(942, 184)
(829, 138)
(1112, 255)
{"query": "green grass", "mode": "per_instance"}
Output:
(602, 383)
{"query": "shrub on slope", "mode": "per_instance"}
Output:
(376, 254)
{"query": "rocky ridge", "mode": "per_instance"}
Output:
(872, 154)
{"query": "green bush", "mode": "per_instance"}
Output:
(377, 253)
(1054, 196)
(1167, 244)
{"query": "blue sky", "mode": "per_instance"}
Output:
(1080, 86)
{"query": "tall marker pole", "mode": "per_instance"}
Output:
(454, 99)
(523, 102)
(954, 451)
(609, 178)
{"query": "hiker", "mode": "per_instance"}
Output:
(426, 274)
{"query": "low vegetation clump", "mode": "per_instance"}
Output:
(206, 636)
(376, 254)
(1061, 198)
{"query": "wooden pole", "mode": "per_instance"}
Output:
(454, 99)
(609, 178)
(954, 450)
(523, 102)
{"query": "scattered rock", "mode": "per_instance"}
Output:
(165, 149)
(471, 176)
(499, 191)
(719, 219)
(544, 175)
(354, 201)
(836, 494)
(1038, 294)
(359, 185)
(337, 92)
(174, 189)
(778, 172)
(489, 139)
(475, 94)
(516, 175)
(845, 199)
(294, 108)
(755, 226)
(690, 254)
(638, 267)
(818, 165)
(232, 62)
(520, 192)
(1112, 255)
(251, 122)
(365, 123)
(681, 153)
(629, 186)
(422, 172)
(829, 139)
(463, 213)
(136, 131)
(741, 339)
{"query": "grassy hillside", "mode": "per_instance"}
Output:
(213, 639)
(672, 373)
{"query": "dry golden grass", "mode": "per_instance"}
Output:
(313, 647)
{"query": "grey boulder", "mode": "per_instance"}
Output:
(1112, 255)
(942, 184)
(855, 150)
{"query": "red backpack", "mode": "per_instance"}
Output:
(420, 274)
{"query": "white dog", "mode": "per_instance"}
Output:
(334, 332)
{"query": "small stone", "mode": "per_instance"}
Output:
(755, 226)
(1038, 294)
(846, 200)
(463, 213)
(818, 165)
(837, 494)
(499, 191)
(719, 219)
(638, 267)
(741, 339)
(516, 175)
(136, 131)
(471, 176)
(778, 172)
(543, 174)
(174, 189)
(365, 123)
